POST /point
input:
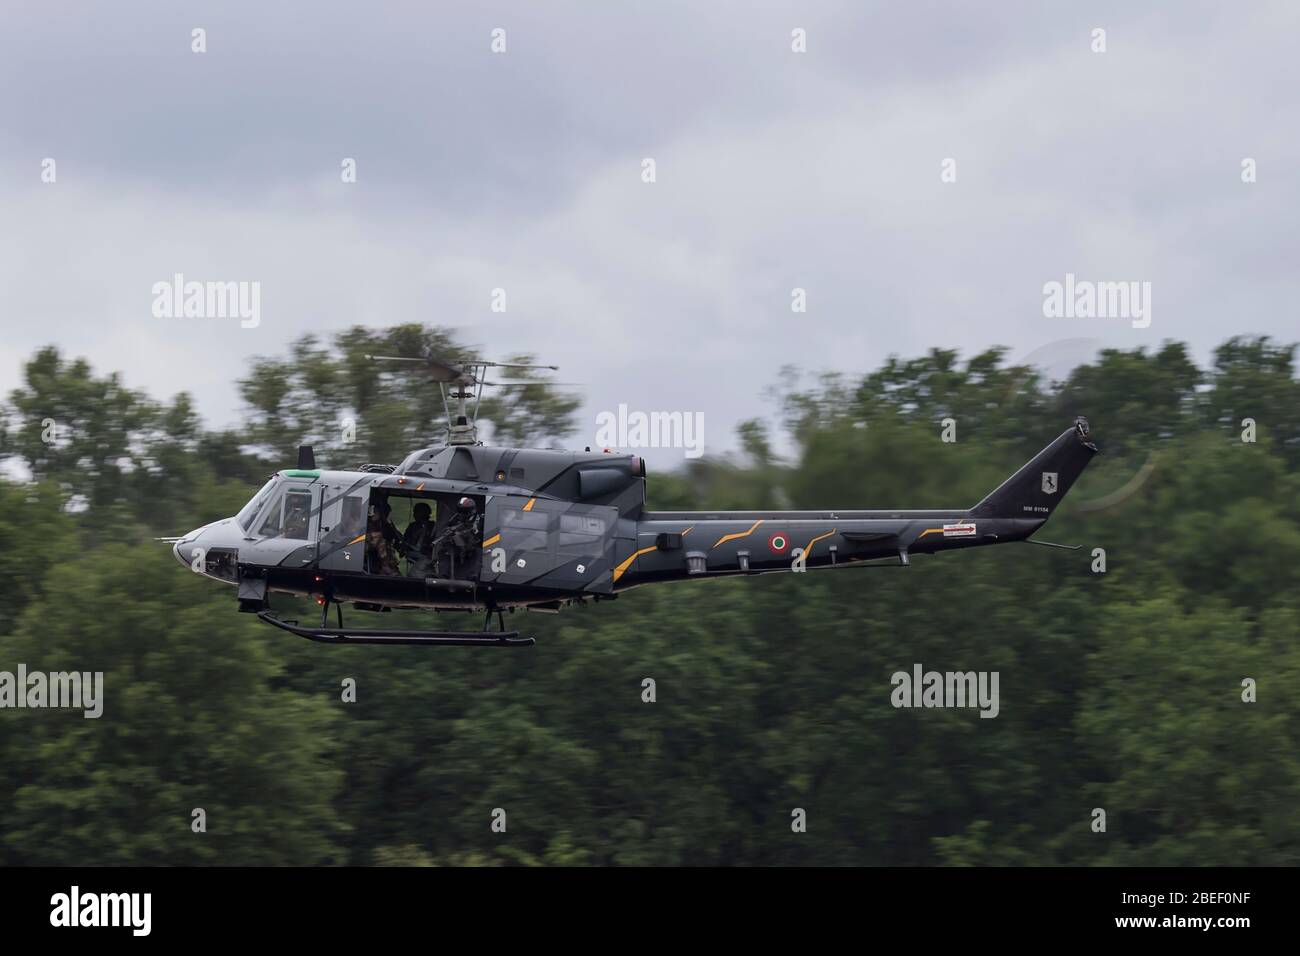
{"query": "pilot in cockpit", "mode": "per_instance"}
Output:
(295, 520)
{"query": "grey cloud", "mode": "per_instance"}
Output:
(775, 171)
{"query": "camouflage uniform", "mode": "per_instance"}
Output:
(380, 533)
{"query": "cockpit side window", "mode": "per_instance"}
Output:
(297, 514)
(250, 510)
(271, 523)
(288, 516)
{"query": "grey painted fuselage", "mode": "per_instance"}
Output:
(569, 527)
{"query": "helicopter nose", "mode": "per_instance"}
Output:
(187, 547)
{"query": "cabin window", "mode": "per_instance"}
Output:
(525, 530)
(354, 516)
(580, 533)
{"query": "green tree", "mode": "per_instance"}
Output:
(192, 718)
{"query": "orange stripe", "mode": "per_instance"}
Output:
(531, 502)
(739, 534)
(360, 537)
(491, 541)
(618, 571)
(808, 550)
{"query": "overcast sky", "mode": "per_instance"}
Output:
(522, 170)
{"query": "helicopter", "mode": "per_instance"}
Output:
(500, 529)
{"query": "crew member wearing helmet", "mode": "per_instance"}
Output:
(457, 546)
(418, 541)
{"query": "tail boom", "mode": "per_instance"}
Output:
(687, 544)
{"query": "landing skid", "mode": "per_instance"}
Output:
(354, 635)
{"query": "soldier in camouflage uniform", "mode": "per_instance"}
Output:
(381, 539)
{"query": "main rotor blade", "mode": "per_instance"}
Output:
(538, 382)
(469, 371)
(438, 370)
(553, 368)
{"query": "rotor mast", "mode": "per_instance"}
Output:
(463, 382)
(463, 428)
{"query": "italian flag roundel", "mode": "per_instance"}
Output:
(779, 543)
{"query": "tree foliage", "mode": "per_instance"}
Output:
(1119, 690)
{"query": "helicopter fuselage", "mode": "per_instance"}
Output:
(557, 528)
